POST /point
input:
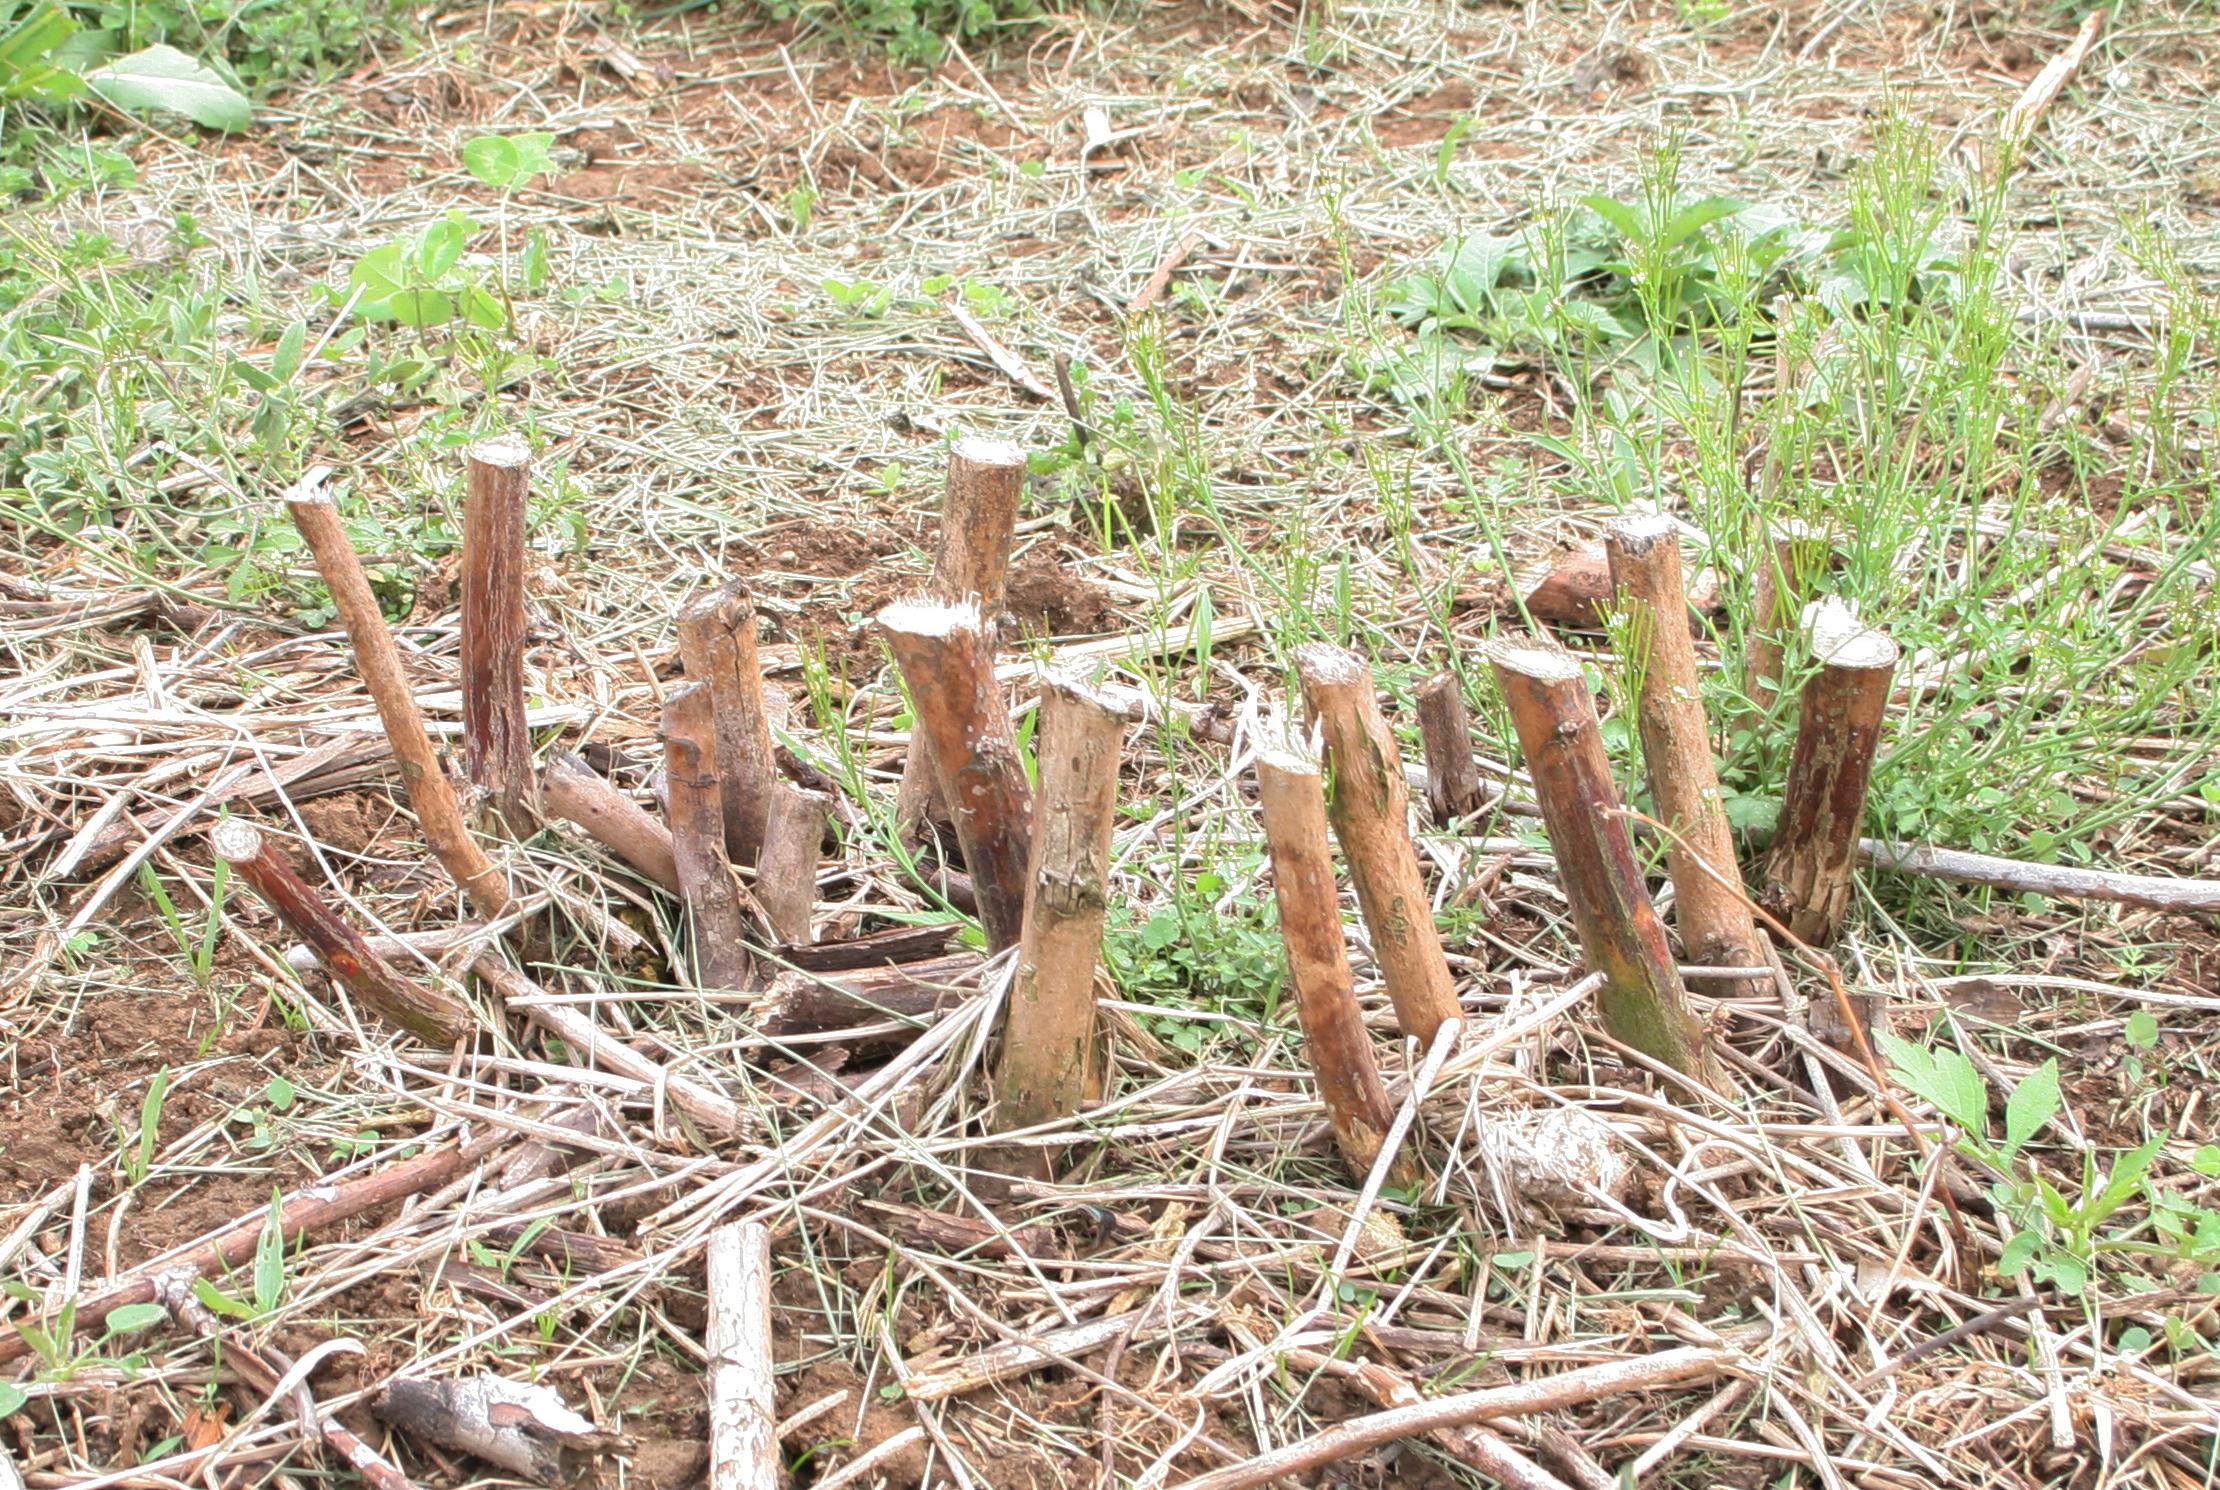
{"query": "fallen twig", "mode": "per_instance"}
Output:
(1548, 1394)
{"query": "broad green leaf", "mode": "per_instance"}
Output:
(32, 60)
(1694, 219)
(12, 1399)
(420, 308)
(535, 261)
(216, 1299)
(2064, 1270)
(162, 77)
(2018, 1253)
(279, 1094)
(2206, 1160)
(254, 377)
(2142, 1029)
(135, 1317)
(483, 309)
(508, 161)
(1161, 931)
(1621, 216)
(2126, 1176)
(490, 158)
(1944, 1078)
(379, 272)
(440, 246)
(286, 361)
(269, 1258)
(2033, 1103)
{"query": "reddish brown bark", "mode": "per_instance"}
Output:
(698, 840)
(786, 875)
(1048, 1053)
(1292, 795)
(497, 743)
(1643, 1001)
(379, 662)
(978, 524)
(1371, 810)
(578, 794)
(717, 643)
(1453, 786)
(1717, 928)
(424, 1012)
(1815, 846)
(948, 661)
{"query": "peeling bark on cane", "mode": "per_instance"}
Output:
(423, 1012)
(743, 1442)
(698, 840)
(947, 659)
(786, 875)
(1048, 1050)
(978, 523)
(1372, 819)
(497, 744)
(379, 662)
(1838, 733)
(1716, 924)
(1292, 795)
(1453, 788)
(717, 644)
(1643, 1001)
(578, 794)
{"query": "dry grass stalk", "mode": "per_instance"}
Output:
(597, 1048)
(497, 745)
(1716, 926)
(978, 524)
(1793, 552)
(698, 840)
(1547, 1394)
(424, 1012)
(1371, 810)
(1838, 734)
(947, 659)
(717, 643)
(1292, 795)
(1453, 786)
(1047, 1060)
(429, 792)
(1621, 937)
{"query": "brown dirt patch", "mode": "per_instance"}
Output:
(1425, 120)
(1047, 599)
(350, 822)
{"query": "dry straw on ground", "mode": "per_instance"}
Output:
(1761, 1285)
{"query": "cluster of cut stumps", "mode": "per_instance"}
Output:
(739, 845)
(1037, 857)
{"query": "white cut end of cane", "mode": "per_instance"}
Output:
(504, 451)
(1643, 531)
(235, 839)
(980, 450)
(930, 618)
(1325, 665)
(1542, 664)
(1838, 638)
